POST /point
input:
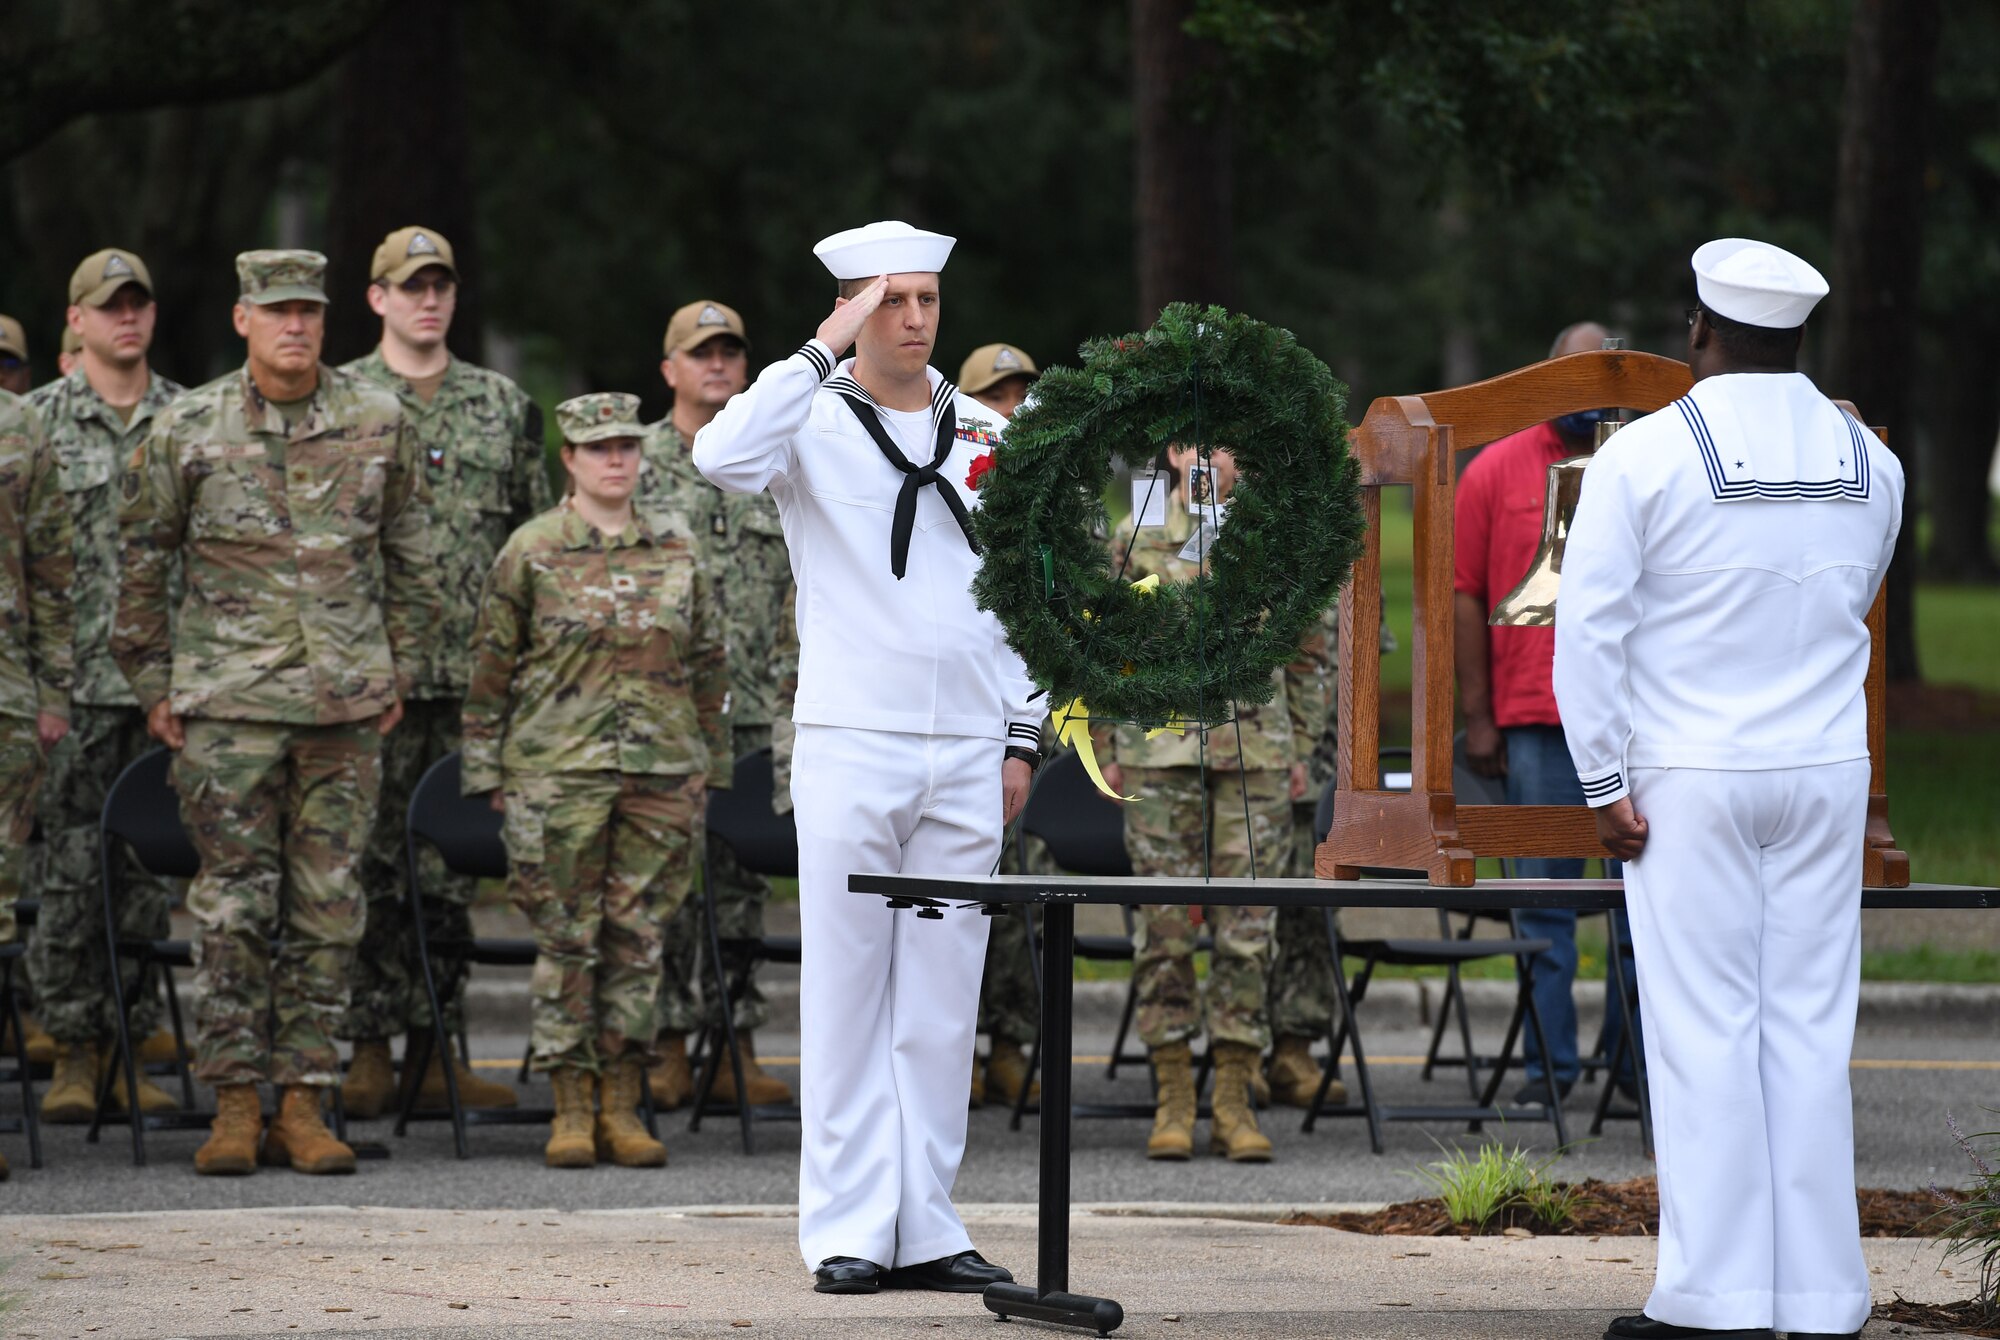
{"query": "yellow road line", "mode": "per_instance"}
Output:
(1896, 1064)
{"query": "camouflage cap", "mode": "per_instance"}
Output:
(13, 338)
(103, 273)
(281, 276)
(408, 250)
(71, 340)
(991, 364)
(598, 416)
(701, 321)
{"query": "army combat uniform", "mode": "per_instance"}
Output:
(1221, 804)
(596, 696)
(307, 563)
(91, 443)
(36, 628)
(743, 549)
(480, 441)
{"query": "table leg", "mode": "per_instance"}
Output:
(1050, 1300)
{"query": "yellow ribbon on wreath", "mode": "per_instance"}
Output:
(1072, 721)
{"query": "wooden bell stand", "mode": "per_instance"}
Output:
(1415, 440)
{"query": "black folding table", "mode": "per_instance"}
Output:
(1049, 1299)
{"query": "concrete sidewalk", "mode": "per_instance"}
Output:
(517, 1275)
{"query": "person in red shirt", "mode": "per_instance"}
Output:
(1512, 728)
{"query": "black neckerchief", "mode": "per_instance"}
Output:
(914, 478)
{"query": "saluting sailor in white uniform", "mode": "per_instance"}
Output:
(915, 746)
(1711, 653)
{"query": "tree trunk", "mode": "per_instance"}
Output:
(1184, 165)
(1877, 246)
(1962, 404)
(401, 156)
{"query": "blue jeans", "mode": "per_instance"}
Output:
(1539, 772)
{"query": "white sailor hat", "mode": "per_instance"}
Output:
(1756, 283)
(883, 249)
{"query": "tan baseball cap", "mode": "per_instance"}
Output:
(701, 321)
(103, 273)
(71, 340)
(599, 415)
(408, 250)
(281, 276)
(13, 339)
(993, 363)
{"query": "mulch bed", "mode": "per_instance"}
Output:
(1611, 1209)
(1964, 1318)
(1943, 707)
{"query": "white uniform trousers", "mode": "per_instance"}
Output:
(1746, 923)
(888, 1001)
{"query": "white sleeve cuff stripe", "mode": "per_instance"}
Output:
(816, 353)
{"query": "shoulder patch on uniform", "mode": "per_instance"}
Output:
(129, 485)
(420, 245)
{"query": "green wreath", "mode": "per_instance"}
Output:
(1195, 650)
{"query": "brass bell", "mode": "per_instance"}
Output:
(1532, 604)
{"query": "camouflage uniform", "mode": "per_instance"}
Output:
(742, 545)
(37, 628)
(1302, 990)
(1010, 1009)
(307, 564)
(599, 676)
(480, 438)
(1176, 778)
(107, 732)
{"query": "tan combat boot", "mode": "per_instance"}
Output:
(72, 1093)
(764, 1089)
(570, 1141)
(977, 1096)
(672, 1080)
(621, 1137)
(370, 1084)
(1173, 1124)
(41, 1047)
(231, 1149)
(299, 1136)
(5, 1171)
(1233, 1127)
(1295, 1075)
(159, 1048)
(152, 1098)
(1007, 1071)
(472, 1090)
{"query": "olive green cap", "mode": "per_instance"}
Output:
(990, 364)
(408, 250)
(701, 321)
(599, 415)
(13, 339)
(71, 341)
(281, 276)
(103, 273)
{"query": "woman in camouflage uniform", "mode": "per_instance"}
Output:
(1220, 805)
(596, 704)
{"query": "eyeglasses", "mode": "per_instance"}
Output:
(1692, 313)
(443, 286)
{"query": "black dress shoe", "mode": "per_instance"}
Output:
(847, 1274)
(1535, 1094)
(968, 1272)
(1643, 1327)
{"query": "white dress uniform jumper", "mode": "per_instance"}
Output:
(908, 697)
(1711, 653)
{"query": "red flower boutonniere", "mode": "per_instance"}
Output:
(982, 465)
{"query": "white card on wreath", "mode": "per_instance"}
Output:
(1149, 499)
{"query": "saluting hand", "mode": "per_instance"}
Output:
(1622, 829)
(849, 315)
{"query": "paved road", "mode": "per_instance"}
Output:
(1906, 1081)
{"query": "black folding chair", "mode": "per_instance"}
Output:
(465, 831)
(21, 1071)
(764, 842)
(143, 812)
(1448, 952)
